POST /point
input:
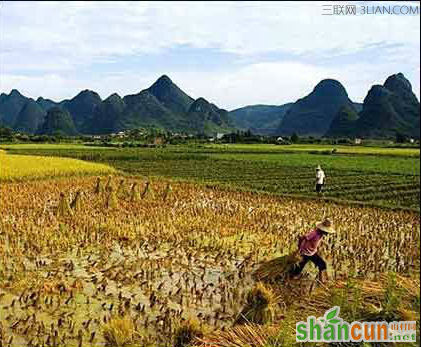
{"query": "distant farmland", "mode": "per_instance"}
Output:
(378, 176)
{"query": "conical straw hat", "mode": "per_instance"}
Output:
(326, 226)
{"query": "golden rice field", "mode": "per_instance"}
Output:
(126, 263)
(19, 167)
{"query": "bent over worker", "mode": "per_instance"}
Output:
(307, 246)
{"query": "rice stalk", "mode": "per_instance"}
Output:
(119, 332)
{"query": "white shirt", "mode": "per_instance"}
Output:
(320, 177)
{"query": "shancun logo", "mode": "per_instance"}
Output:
(332, 328)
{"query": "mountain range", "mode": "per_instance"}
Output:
(163, 105)
(387, 109)
(326, 111)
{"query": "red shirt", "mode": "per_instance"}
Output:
(308, 243)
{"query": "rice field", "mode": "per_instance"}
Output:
(340, 149)
(382, 177)
(243, 148)
(19, 167)
(126, 261)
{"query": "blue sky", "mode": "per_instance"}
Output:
(231, 53)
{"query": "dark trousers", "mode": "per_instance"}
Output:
(319, 188)
(315, 259)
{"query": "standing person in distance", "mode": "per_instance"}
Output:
(320, 180)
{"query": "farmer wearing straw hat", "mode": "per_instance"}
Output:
(307, 247)
(320, 180)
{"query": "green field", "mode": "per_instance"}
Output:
(378, 176)
(340, 149)
(242, 148)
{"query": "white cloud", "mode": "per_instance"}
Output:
(103, 28)
(46, 47)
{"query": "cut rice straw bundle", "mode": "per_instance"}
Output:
(63, 208)
(134, 194)
(109, 185)
(118, 332)
(167, 191)
(187, 331)
(260, 306)
(76, 204)
(372, 293)
(111, 199)
(277, 269)
(121, 190)
(148, 192)
(98, 188)
(242, 336)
